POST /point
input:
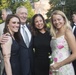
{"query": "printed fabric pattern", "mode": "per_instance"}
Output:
(61, 51)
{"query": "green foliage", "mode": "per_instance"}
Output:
(3, 4)
(13, 6)
(1, 21)
(69, 7)
(35, 0)
(48, 24)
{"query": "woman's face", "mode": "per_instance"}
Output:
(39, 24)
(13, 25)
(58, 21)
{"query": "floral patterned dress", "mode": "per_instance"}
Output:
(61, 51)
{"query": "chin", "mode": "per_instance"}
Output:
(16, 31)
(23, 21)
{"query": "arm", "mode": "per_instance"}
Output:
(6, 50)
(72, 44)
(4, 38)
(70, 38)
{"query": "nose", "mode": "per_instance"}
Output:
(17, 24)
(39, 22)
(56, 21)
(25, 15)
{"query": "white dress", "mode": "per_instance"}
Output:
(61, 51)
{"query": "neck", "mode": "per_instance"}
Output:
(23, 23)
(42, 30)
(61, 30)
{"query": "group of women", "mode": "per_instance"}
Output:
(58, 42)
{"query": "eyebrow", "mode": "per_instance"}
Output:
(16, 22)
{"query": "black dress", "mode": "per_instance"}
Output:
(42, 48)
(14, 59)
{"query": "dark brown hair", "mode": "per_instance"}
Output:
(34, 30)
(6, 30)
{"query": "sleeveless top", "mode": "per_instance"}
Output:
(14, 59)
(61, 51)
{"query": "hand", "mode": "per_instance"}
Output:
(4, 38)
(55, 66)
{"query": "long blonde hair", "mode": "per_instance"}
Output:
(53, 30)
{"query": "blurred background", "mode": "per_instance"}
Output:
(44, 7)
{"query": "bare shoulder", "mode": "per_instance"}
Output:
(9, 39)
(6, 47)
(68, 31)
(69, 34)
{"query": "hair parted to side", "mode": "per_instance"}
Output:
(18, 9)
(53, 30)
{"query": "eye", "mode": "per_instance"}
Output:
(16, 22)
(41, 20)
(36, 21)
(59, 19)
(13, 22)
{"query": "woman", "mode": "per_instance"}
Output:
(41, 44)
(10, 49)
(62, 42)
